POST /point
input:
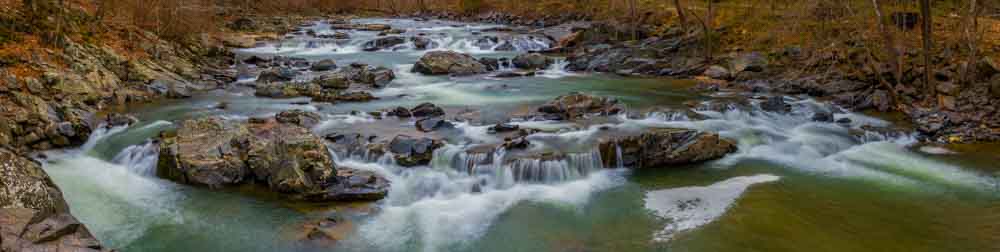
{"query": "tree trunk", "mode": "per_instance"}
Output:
(680, 15)
(972, 36)
(890, 43)
(925, 11)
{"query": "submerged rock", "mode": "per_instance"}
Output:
(448, 62)
(576, 105)
(33, 214)
(661, 147)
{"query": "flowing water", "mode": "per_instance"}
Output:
(794, 184)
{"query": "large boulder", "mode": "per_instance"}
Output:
(576, 105)
(33, 214)
(204, 152)
(413, 151)
(532, 61)
(448, 62)
(277, 152)
(383, 43)
(660, 147)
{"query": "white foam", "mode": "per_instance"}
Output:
(691, 207)
(451, 217)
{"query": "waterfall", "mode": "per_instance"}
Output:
(102, 132)
(618, 156)
(140, 159)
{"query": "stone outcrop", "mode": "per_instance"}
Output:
(576, 105)
(279, 153)
(532, 61)
(448, 62)
(661, 147)
(33, 214)
(413, 151)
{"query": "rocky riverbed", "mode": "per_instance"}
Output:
(459, 136)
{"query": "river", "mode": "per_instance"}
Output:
(793, 185)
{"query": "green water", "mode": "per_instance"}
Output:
(835, 193)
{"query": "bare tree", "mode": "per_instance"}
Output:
(972, 37)
(890, 43)
(680, 14)
(925, 11)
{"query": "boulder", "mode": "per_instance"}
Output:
(353, 185)
(576, 105)
(356, 96)
(378, 77)
(492, 64)
(423, 43)
(277, 75)
(299, 117)
(277, 152)
(532, 61)
(663, 147)
(400, 112)
(502, 128)
(426, 110)
(383, 43)
(751, 62)
(171, 88)
(433, 123)
(243, 24)
(374, 27)
(775, 104)
(412, 151)
(717, 72)
(323, 65)
(33, 214)
(204, 152)
(333, 81)
(448, 62)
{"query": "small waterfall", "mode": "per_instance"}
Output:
(140, 159)
(505, 65)
(557, 70)
(102, 132)
(618, 156)
(543, 170)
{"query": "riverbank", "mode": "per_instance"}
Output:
(845, 72)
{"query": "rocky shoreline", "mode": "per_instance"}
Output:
(841, 74)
